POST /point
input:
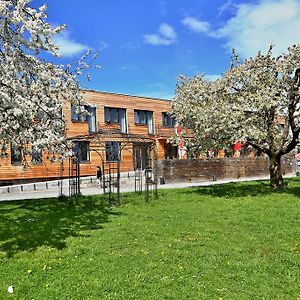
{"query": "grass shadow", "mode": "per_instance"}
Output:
(29, 224)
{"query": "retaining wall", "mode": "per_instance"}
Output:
(191, 170)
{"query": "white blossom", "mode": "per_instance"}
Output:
(32, 89)
(255, 101)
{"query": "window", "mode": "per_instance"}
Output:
(91, 118)
(82, 151)
(36, 155)
(78, 117)
(116, 116)
(167, 120)
(113, 115)
(15, 155)
(170, 151)
(74, 114)
(142, 116)
(113, 151)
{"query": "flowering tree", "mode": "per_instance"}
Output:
(255, 101)
(32, 89)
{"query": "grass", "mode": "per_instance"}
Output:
(232, 241)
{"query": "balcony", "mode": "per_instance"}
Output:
(164, 132)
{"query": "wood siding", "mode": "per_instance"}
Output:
(100, 100)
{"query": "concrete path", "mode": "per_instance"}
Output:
(95, 190)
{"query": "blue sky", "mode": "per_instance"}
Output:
(146, 44)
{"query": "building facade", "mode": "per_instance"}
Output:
(143, 117)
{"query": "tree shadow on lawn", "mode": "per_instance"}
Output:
(29, 224)
(244, 189)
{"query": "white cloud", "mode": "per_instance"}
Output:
(227, 6)
(68, 47)
(166, 36)
(256, 26)
(196, 25)
(167, 31)
(155, 39)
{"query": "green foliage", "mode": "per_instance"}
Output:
(233, 241)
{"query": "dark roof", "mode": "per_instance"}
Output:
(111, 135)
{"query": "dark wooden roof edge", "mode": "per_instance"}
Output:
(112, 135)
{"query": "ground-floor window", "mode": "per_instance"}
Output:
(113, 151)
(37, 156)
(170, 151)
(82, 151)
(15, 155)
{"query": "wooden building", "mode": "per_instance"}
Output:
(143, 117)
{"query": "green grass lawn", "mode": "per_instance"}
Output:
(233, 241)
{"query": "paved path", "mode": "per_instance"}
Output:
(94, 190)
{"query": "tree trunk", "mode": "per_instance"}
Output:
(275, 172)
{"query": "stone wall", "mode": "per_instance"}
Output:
(192, 170)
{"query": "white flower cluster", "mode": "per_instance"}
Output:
(32, 89)
(256, 102)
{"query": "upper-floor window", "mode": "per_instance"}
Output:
(36, 155)
(91, 118)
(167, 120)
(142, 116)
(82, 150)
(113, 115)
(75, 116)
(116, 116)
(113, 151)
(15, 155)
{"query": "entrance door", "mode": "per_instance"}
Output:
(141, 156)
